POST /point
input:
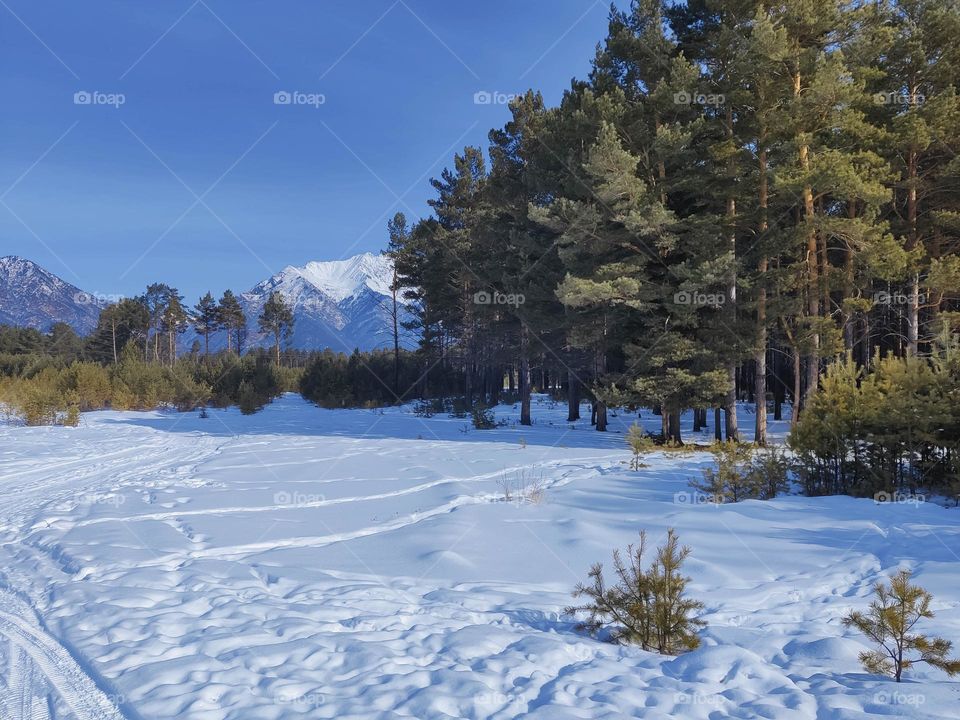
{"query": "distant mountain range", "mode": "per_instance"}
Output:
(33, 297)
(339, 304)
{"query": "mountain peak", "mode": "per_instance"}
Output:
(342, 279)
(32, 296)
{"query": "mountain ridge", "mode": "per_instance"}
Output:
(338, 304)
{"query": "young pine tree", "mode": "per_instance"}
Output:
(890, 623)
(648, 607)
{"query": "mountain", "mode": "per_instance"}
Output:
(340, 304)
(33, 297)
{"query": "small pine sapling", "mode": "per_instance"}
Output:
(890, 622)
(648, 607)
(639, 443)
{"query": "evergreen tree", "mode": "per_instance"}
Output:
(206, 320)
(276, 319)
(890, 624)
(230, 318)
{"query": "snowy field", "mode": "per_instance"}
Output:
(358, 564)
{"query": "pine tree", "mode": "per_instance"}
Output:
(646, 607)
(890, 624)
(276, 319)
(206, 320)
(174, 321)
(230, 317)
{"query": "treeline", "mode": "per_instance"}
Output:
(739, 194)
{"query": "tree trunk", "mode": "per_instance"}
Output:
(812, 258)
(717, 428)
(525, 377)
(573, 397)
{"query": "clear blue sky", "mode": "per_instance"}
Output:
(106, 195)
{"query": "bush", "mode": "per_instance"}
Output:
(742, 473)
(483, 418)
(889, 624)
(640, 443)
(886, 431)
(645, 607)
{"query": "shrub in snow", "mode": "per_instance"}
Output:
(483, 418)
(889, 623)
(645, 607)
(639, 443)
(744, 474)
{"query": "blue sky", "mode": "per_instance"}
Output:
(198, 178)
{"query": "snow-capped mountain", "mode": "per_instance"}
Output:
(339, 304)
(33, 297)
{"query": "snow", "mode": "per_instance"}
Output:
(342, 279)
(363, 564)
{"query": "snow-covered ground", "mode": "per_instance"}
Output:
(358, 564)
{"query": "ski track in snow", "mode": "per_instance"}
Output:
(409, 588)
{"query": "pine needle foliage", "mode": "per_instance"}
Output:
(645, 606)
(890, 624)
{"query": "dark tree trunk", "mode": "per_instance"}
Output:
(573, 397)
